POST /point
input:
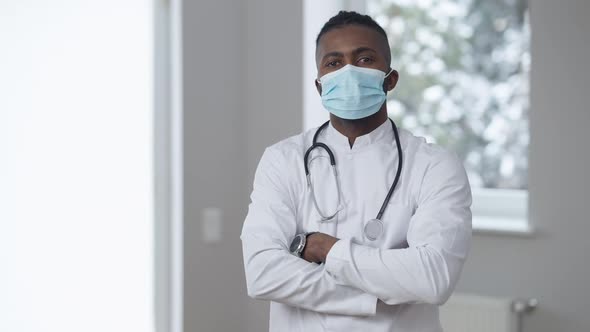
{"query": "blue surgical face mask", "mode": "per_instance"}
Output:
(353, 92)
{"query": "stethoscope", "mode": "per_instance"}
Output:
(374, 227)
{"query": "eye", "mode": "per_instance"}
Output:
(365, 60)
(333, 63)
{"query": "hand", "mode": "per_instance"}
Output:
(317, 247)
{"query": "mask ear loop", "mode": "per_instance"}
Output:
(390, 71)
(384, 77)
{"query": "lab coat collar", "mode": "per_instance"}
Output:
(381, 134)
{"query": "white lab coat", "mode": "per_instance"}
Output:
(392, 284)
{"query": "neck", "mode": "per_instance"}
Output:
(355, 128)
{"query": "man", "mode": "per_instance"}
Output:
(312, 244)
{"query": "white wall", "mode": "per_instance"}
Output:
(242, 92)
(214, 168)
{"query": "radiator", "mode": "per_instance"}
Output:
(476, 313)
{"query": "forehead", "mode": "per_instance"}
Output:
(347, 38)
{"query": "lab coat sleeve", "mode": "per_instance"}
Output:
(272, 272)
(439, 238)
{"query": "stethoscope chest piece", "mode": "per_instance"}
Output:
(373, 229)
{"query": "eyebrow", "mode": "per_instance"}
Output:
(363, 49)
(355, 51)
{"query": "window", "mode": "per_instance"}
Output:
(464, 83)
(78, 180)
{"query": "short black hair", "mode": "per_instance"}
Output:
(344, 18)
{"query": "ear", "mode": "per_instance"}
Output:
(391, 81)
(318, 86)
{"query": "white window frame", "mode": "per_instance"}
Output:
(168, 161)
(512, 216)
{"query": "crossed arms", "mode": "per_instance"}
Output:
(354, 276)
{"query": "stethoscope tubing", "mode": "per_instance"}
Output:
(397, 173)
(316, 144)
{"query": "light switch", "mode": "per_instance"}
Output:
(211, 224)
